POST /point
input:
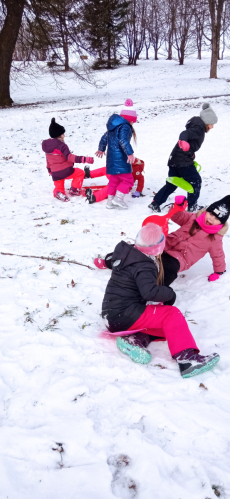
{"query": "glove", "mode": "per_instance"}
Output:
(215, 276)
(87, 159)
(136, 194)
(185, 146)
(131, 158)
(182, 202)
(173, 299)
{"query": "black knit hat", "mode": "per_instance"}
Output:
(220, 209)
(55, 130)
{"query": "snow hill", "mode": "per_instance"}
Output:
(78, 419)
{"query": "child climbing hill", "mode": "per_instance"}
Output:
(181, 160)
(60, 163)
(120, 154)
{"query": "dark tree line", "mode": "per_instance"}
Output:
(109, 31)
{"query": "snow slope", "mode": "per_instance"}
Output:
(78, 419)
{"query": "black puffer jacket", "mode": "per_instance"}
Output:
(194, 135)
(132, 284)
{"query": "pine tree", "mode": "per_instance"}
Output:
(104, 22)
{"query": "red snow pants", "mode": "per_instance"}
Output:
(138, 167)
(169, 323)
(77, 181)
(103, 192)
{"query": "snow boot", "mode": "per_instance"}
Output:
(74, 191)
(87, 171)
(194, 208)
(118, 200)
(154, 207)
(192, 363)
(109, 205)
(135, 346)
(90, 196)
(100, 263)
(62, 197)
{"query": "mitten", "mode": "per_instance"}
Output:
(181, 201)
(185, 146)
(100, 263)
(87, 159)
(173, 299)
(136, 194)
(215, 276)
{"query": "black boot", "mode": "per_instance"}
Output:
(90, 196)
(192, 363)
(87, 171)
(194, 208)
(154, 206)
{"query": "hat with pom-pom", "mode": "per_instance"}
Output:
(207, 114)
(128, 112)
(55, 130)
(220, 209)
(150, 240)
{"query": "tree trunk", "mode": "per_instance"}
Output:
(156, 52)
(66, 53)
(169, 58)
(8, 38)
(216, 12)
(214, 59)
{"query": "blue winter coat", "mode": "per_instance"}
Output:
(117, 139)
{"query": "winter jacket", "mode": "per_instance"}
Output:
(194, 135)
(59, 159)
(131, 286)
(117, 139)
(190, 249)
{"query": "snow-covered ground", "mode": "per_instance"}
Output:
(78, 419)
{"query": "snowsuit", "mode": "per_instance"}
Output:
(138, 167)
(133, 283)
(181, 163)
(188, 250)
(60, 163)
(117, 140)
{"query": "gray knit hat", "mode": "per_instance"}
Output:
(207, 114)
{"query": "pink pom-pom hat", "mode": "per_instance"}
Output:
(128, 112)
(150, 240)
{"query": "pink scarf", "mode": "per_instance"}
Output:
(210, 229)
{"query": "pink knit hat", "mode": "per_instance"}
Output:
(150, 240)
(128, 112)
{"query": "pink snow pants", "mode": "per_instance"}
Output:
(122, 183)
(169, 323)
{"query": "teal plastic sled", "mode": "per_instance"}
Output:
(180, 182)
(137, 354)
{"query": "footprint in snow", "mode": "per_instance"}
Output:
(122, 486)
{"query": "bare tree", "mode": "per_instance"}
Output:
(183, 33)
(216, 8)
(155, 25)
(135, 30)
(169, 8)
(201, 17)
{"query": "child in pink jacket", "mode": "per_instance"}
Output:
(60, 163)
(199, 233)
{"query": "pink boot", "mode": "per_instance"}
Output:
(100, 263)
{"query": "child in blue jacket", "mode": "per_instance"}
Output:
(120, 155)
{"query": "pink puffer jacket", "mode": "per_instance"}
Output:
(190, 249)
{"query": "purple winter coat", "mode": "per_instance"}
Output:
(190, 249)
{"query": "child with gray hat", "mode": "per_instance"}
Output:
(181, 160)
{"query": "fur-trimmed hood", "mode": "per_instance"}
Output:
(222, 231)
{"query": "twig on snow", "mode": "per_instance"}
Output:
(59, 260)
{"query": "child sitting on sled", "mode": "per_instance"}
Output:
(60, 163)
(98, 195)
(137, 278)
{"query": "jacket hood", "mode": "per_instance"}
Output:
(222, 231)
(196, 120)
(125, 255)
(49, 145)
(116, 120)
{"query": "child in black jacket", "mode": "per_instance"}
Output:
(181, 160)
(136, 278)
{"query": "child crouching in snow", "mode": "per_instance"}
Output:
(137, 276)
(120, 155)
(60, 163)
